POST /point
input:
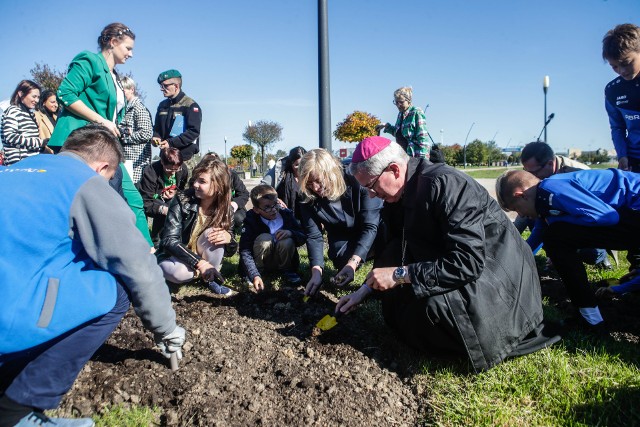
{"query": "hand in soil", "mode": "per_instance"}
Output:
(344, 276)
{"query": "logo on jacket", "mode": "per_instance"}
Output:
(8, 170)
(632, 117)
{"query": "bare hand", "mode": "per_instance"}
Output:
(168, 193)
(623, 163)
(219, 236)
(163, 144)
(282, 204)
(604, 292)
(381, 279)
(282, 234)
(111, 126)
(258, 284)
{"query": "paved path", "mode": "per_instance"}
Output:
(488, 183)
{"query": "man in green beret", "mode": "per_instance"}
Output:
(178, 118)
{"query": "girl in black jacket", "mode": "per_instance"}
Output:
(198, 230)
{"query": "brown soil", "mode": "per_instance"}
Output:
(254, 360)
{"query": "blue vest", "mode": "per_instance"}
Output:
(48, 283)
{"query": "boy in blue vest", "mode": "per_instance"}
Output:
(71, 264)
(589, 208)
(269, 240)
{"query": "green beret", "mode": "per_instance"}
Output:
(169, 74)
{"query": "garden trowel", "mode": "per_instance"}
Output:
(329, 321)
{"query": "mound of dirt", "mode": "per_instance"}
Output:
(252, 360)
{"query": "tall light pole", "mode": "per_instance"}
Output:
(225, 151)
(324, 103)
(545, 88)
(464, 149)
(442, 137)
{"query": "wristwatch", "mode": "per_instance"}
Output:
(400, 275)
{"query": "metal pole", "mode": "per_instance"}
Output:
(545, 87)
(226, 162)
(464, 149)
(323, 76)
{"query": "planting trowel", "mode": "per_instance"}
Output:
(329, 321)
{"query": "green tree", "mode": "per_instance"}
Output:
(262, 133)
(47, 77)
(476, 152)
(494, 153)
(452, 153)
(356, 127)
(242, 153)
(279, 154)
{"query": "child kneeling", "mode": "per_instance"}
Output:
(269, 240)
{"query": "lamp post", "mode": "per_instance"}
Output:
(225, 151)
(545, 88)
(464, 149)
(442, 137)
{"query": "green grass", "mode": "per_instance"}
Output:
(581, 381)
(486, 173)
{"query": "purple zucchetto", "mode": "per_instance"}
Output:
(369, 147)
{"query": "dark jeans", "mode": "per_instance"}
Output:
(562, 240)
(40, 377)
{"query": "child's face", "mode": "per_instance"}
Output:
(627, 67)
(267, 208)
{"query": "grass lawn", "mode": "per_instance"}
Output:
(492, 173)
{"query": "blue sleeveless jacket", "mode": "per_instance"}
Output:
(48, 283)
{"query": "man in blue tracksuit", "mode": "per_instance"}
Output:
(71, 262)
(590, 208)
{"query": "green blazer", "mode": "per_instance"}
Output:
(89, 81)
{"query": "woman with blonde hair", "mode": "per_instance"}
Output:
(198, 230)
(335, 202)
(136, 130)
(410, 129)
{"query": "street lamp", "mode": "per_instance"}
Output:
(464, 149)
(225, 150)
(545, 87)
(442, 137)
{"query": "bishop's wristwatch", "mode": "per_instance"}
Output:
(400, 275)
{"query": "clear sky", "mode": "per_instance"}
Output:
(479, 62)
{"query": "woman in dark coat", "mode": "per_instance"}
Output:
(336, 204)
(288, 188)
(160, 182)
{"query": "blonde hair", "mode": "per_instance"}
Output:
(404, 92)
(319, 164)
(128, 83)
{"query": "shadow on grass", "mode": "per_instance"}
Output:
(620, 408)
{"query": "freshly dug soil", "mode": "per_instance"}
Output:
(253, 360)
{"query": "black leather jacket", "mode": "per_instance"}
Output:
(181, 218)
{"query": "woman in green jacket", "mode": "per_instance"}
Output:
(91, 93)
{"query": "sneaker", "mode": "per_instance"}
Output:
(292, 278)
(38, 419)
(221, 290)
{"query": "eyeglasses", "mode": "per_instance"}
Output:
(535, 171)
(399, 101)
(166, 86)
(373, 184)
(270, 209)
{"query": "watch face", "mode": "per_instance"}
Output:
(399, 274)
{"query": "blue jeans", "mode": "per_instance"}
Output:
(41, 376)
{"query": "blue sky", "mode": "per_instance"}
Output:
(479, 62)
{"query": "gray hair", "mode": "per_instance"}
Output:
(128, 83)
(404, 92)
(375, 164)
